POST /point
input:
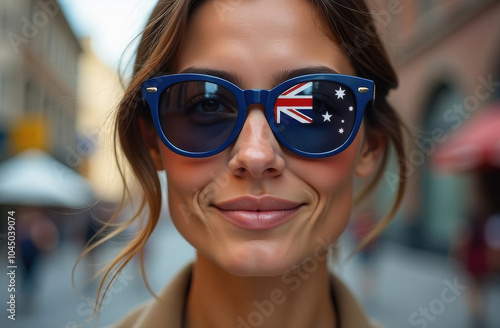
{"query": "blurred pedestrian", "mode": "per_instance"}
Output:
(477, 244)
(37, 234)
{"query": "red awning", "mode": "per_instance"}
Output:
(474, 146)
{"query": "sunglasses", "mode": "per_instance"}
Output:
(316, 115)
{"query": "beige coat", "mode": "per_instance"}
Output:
(167, 313)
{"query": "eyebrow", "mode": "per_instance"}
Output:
(278, 77)
(288, 74)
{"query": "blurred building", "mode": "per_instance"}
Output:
(99, 92)
(38, 79)
(447, 56)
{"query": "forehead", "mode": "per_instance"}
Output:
(258, 37)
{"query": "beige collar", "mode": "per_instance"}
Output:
(167, 312)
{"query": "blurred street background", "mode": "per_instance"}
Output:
(437, 264)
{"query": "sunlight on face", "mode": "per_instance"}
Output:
(304, 203)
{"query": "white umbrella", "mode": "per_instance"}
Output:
(35, 178)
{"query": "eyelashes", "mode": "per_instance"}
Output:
(209, 108)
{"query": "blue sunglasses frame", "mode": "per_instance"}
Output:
(362, 89)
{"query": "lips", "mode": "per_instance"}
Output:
(258, 213)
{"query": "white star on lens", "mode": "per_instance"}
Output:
(343, 121)
(327, 117)
(351, 109)
(340, 93)
(341, 131)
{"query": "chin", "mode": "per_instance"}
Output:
(257, 260)
(259, 270)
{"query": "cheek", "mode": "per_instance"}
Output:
(187, 176)
(329, 175)
(186, 179)
(332, 179)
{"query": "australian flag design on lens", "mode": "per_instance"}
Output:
(297, 106)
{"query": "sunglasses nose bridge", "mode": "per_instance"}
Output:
(256, 96)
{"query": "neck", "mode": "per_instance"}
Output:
(299, 298)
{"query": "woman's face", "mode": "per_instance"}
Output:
(256, 209)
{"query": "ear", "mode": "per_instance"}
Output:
(374, 144)
(150, 137)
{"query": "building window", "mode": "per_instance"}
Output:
(4, 24)
(443, 196)
(47, 104)
(3, 93)
(32, 97)
(496, 77)
(425, 6)
(29, 95)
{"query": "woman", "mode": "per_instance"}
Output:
(259, 182)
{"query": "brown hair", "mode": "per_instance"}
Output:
(351, 25)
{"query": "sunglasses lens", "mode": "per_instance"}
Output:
(197, 116)
(316, 117)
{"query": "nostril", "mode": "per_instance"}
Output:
(256, 165)
(239, 172)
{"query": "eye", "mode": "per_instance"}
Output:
(209, 103)
(209, 109)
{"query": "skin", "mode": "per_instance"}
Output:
(256, 41)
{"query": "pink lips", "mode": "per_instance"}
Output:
(258, 213)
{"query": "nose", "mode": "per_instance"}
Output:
(256, 152)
